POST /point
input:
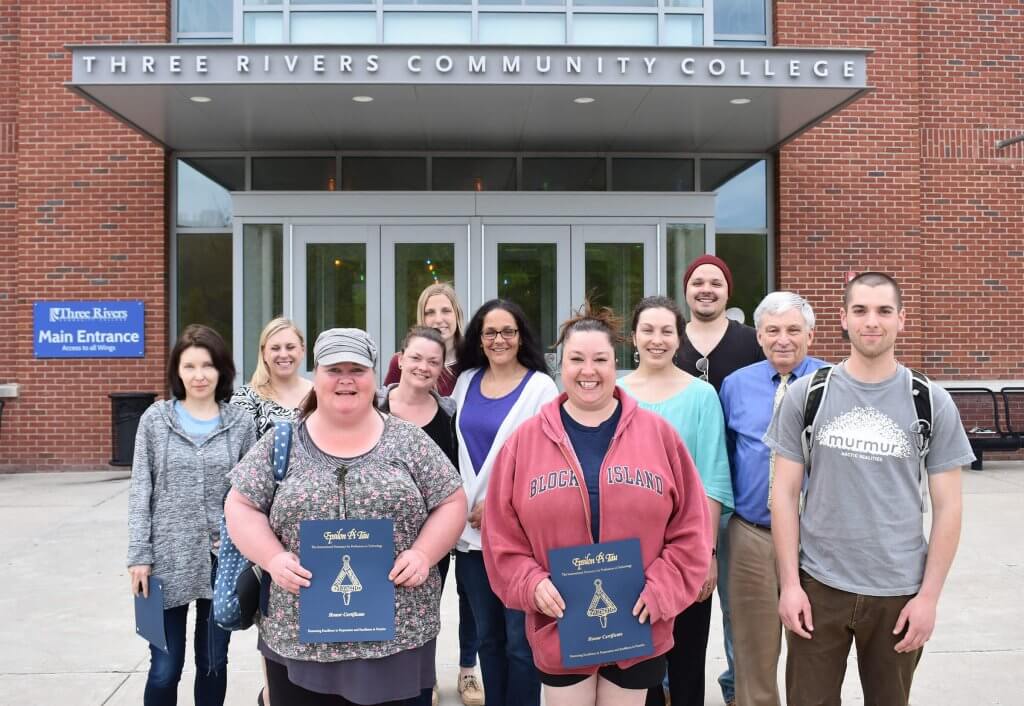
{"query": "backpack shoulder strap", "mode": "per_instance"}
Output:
(812, 403)
(921, 393)
(282, 449)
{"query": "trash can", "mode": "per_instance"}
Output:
(126, 409)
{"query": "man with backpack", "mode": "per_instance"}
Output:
(854, 565)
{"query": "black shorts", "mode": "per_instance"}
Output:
(642, 675)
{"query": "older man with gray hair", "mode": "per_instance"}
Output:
(785, 329)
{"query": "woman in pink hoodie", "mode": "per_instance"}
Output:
(592, 441)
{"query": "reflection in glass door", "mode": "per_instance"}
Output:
(619, 268)
(414, 256)
(338, 282)
(529, 264)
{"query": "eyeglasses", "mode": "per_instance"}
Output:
(702, 367)
(507, 333)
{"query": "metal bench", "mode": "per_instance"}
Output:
(983, 421)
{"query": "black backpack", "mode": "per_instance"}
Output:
(920, 392)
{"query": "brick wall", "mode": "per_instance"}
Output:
(908, 180)
(82, 203)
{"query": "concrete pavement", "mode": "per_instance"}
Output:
(67, 635)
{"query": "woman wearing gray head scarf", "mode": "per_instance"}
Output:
(393, 470)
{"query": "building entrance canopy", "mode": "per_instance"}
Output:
(292, 97)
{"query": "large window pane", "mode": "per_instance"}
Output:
(522, 28)
(204, 15)
(417, 266)
(203, 186)
(685, 242)
(474, 174)
(335, 289)
(652, 174)
(528, 3)
(527, 275)
(293, 174)
(615, 3)
(739, 17)
(262, 28)
(614, 277)
(747, 257)
(741, 184)
(428, 27)
(683, 30)
(333, 27)
(563, 174)
(262, 286)
(204, 281)
(384, 173)
(614, 29)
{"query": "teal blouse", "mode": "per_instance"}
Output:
(696, 415)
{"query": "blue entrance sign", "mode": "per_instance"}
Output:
(101, 329)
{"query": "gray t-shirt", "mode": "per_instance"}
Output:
(862, 526)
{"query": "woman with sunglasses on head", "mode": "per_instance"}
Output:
(592, 429)
(184, 448)
(691, 407)
(415, 399)
(438, 307)
(504, 382)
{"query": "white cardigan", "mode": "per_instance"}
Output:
(539, 390)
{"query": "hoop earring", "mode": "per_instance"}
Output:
(636, 357)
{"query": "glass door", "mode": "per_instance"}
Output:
(615, 266)
(337, 282)
(529, 264)
(414, 256)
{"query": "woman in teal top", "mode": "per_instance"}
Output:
(691, 406)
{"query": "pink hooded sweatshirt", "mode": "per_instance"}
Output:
(537, 500)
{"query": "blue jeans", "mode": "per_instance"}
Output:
(727, 681)
(211, 646)
(506, 661)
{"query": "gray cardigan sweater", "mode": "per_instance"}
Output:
(176, 498)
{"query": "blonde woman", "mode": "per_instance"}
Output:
(438, 307)
(276, 389)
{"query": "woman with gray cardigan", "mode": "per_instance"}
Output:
(184, 448)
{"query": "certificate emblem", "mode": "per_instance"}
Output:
(601, 605)
(347, 582)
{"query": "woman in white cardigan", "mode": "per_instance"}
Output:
(504, 383)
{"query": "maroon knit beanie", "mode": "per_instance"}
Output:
(709, 260)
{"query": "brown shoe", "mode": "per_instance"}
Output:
(470, 691)
(435, 696)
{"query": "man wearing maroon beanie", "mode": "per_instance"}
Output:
(712, 347)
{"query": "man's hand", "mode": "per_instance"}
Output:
(795, 612)
(918, 618)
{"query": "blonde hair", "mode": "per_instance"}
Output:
(260, 381)
(448, 291)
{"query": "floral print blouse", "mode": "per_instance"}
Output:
(264, 410)
(403, 477)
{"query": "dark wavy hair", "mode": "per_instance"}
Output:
(660, 302)
(202, 337)
(471, 353)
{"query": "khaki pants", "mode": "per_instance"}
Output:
(815, 668)
(754, 601)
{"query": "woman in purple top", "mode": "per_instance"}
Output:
(504, 383)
